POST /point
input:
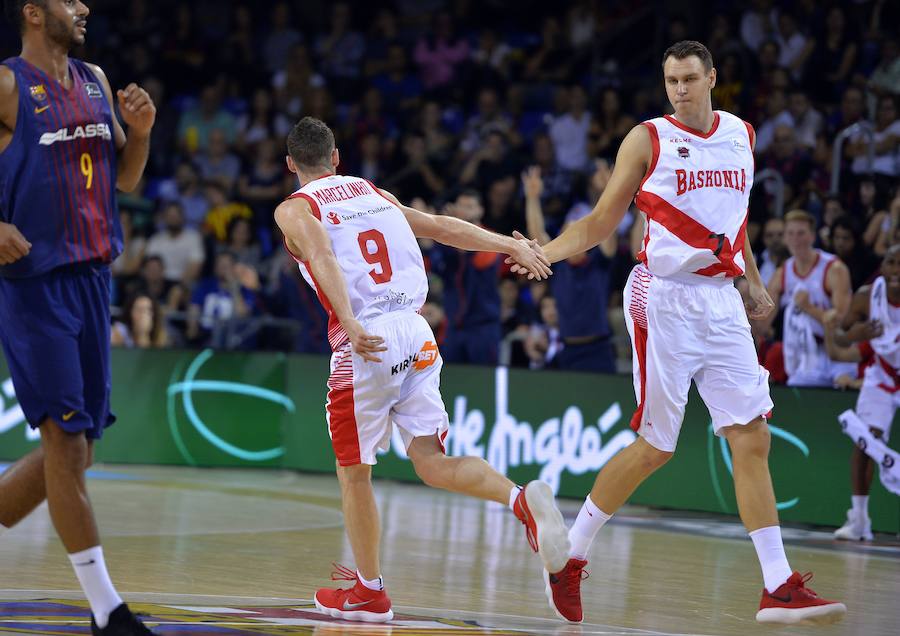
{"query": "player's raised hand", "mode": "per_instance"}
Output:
(364, 344)
(137, 108)
(13, 245)
(868, 330)
(527, 257)
(760, 304)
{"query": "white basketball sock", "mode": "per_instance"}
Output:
(376, 584)
(860, 505)
(513, 494)
(770, 551)
(90, 568)
(590, 519)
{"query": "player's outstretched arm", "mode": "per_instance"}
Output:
(632, 162)
(139, 113)
(308, 241)
(468, 236)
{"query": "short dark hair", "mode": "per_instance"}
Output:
(687, 48)
(310, 143)
(13, 11)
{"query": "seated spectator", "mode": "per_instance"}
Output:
(242, 243)
(543, 345)
(889, 231)
(417, 177)
(340, 53)
(218, 300)
(773, 238)
(493, 162)
(280, 38)
(262, 182)
(885, 141)
(217, 164)
(196, 124)
(186, 190)
(847, 245)
(180, 248)
(295, 84)
(552, 62)
(223, 210)
(609, 126)
(261, 123)
(399, 87)
(557, 182)
(439, 53)
(489, 118)
(142, 325)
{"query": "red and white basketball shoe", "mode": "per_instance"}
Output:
(564, 590)
(793, 602)
(544, 526)
(357, 603)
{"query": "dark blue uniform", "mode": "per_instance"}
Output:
(471, 302)
(57, 186)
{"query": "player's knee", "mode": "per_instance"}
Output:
(430, 470)
(352, 475)
(62, 448)
(653, 458)
(751, 440)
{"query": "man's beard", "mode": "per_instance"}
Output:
(60, 32)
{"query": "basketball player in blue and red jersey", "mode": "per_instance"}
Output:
(63, 154)
(690, 175)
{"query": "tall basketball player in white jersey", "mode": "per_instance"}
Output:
(874, 318)
(690, 174)
(808, 284)
(356, 245)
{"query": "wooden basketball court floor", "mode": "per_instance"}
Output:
(241, 552)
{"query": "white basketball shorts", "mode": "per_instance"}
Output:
(684, 330)
(366, 398)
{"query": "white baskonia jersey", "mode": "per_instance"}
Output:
(814, 283)
(887, 345)
(375, 248)
(695, 197)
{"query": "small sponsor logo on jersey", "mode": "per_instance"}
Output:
(683, 152)
(88, 131)
(426, 357)
(40, 109)
(68, 416)
(688, 180)
(679, 140)
(93, 90)
(38, 93)
(738, 144)
(334, 218)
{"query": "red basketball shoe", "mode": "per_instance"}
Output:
(544, 526)
(564, 590)
(357, 603)
(793, 602)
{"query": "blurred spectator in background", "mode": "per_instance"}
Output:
(217, 300)
(280, 38)
(438, 53)
(579, 284)
(543, 345)
(197, 124)
(771, 258)
(186, 190)
(471, 298)
(569, 132)
(180, 248)
(142, 325)
(847, 245)
(216, 164)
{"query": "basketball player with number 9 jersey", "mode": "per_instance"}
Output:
(356, 246)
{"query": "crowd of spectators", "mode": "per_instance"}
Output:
(503, 113)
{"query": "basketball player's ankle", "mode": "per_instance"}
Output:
(589, 521)
(376, 584)
(90, 568)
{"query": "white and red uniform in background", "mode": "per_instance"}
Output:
(806, 361)
(879, 396)
(384, 273)
(686, 319)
